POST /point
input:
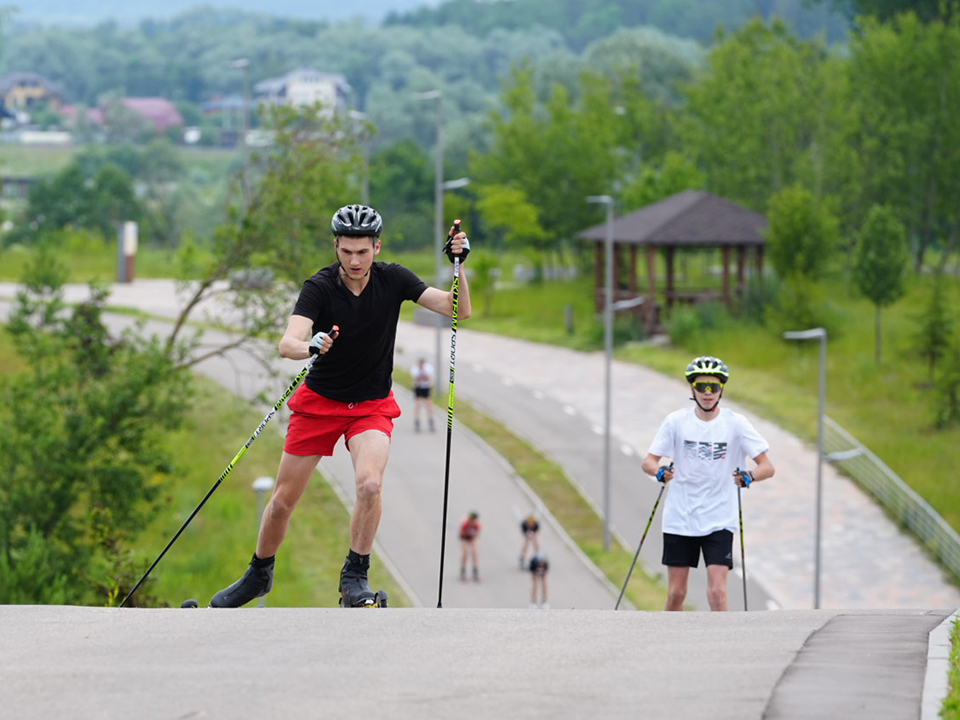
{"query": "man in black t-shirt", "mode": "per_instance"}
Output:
(346, 313)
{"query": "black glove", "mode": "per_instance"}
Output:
(448, 246)
(746, 477)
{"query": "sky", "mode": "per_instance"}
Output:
(90, 12)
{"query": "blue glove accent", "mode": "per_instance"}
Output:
(746, 477)
(662, 470)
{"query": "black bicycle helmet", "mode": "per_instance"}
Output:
(707, 365)
(356, 221)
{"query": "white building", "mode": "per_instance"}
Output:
(305, 87)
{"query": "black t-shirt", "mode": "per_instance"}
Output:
(359, 366)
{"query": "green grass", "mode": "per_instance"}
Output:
(951, 703)
(96, 263)
(30, 161)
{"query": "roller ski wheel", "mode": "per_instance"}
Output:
(379, 600)
(189, 604)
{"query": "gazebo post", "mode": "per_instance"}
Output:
(669, 249)
(651, 302)
(741, 268)
(726, 275)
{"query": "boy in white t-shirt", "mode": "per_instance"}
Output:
(708, 447)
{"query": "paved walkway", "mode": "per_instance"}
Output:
(483, 664)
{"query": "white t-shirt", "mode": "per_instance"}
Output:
(703, 494)
(422, 375)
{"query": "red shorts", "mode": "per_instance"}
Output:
(316, 422)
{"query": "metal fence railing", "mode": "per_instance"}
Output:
(906, 507)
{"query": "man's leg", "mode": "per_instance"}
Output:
(369, 451)
(677, 578)
(717, 586)
(293, 475)
(292, 478)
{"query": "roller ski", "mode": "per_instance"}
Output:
(354, 589)
(256, 582)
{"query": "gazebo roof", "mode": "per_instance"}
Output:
(690, 218)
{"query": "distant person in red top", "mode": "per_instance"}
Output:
(469, 532)
(539, 566)
(530, 528)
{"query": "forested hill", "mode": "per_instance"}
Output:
(126, 12)
(579, 21)
(582, 21)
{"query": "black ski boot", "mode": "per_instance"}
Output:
(354, 589)
(256, 582)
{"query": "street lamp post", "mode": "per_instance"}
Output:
(821, 335)
(261, 486)
(608, 355)
(438, 206)
(360, 128)
(244, 64)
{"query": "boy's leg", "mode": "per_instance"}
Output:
(677, 578)
(717, 587)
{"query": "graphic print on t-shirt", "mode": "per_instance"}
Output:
(694, 450)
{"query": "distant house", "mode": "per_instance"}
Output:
(161, 113)
(21, 91)
(305, 86)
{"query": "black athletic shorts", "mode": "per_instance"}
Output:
(684, 551)
(421, 392)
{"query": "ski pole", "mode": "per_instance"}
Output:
(236, 458)
(743, 563)
(637, 554)
(453, 366)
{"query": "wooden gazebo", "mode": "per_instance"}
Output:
(690, 219)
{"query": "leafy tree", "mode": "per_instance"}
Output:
(676, 174)
(401, 189)
(948, 390)
(881, 261)
(82, 468)
(884, 10)
(768, 111)
(935, 326)
(802, 235)
(72, 199)
(279, 223)
(905, 82)
(555, 152)
(663, 61)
